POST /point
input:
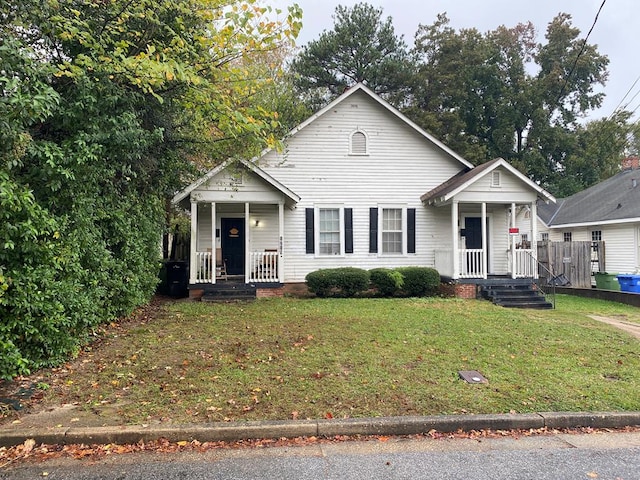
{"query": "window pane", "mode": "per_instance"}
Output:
(329, 234)
(391, 242)
(392, 219)
(392, 230)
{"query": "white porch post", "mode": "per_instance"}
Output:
(512, 239)
(213, 243)
(485, 246)
(534, 237)
(280, 242)
(454, 239)
(247, 242)
(194, 243)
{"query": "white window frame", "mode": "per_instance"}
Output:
(381, 209)
(366, 143)
(566, 235)
(317, 231)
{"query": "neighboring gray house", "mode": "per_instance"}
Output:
(608, 211)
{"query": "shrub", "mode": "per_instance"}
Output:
(319, 282)
(386, 281)
(344, 282)
(420, 281)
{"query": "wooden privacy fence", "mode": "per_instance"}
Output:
(575, 260)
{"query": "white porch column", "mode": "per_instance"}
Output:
(281, 242)
(247, 243)
(454, 239)
(213, 243)
(512, 239)
(485, 246)
(534, 237)
(194, 243)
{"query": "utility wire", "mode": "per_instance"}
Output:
(625, 96)
(584, 45)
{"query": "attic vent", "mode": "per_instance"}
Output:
(358, 143)
(495, 179)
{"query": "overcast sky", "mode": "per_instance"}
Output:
(616, 33)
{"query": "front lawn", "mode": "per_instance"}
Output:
(330, 358)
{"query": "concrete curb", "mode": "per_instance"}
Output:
(214, 432)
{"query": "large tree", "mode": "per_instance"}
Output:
(103, 108)
(503, 94)
(362, 47)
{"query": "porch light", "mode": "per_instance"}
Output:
(257, 223)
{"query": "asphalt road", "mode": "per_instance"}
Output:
(604, 456)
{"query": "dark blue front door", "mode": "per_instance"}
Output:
(232, 243)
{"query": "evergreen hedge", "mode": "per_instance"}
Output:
(339, 282)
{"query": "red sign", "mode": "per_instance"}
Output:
(514, 231)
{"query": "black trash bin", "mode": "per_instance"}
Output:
(177, 278)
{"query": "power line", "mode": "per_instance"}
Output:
(584, 45)
(625, 96)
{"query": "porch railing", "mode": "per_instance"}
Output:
(525, 263)
(471, 264)
(263, 267)
(204, 267)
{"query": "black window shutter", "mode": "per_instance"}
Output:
(309, 230)
(411, 230)
(373, 230)
(348, 230)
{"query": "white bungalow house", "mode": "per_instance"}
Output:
(358, 185)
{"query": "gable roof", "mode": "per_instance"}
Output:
(247, 164)
(615, 200)
(359, 87)
(449, 189)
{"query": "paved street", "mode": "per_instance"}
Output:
(610, 456)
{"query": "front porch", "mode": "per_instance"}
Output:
(485, 241)
(236, 242)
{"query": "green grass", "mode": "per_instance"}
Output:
(316, 358)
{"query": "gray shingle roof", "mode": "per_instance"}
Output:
(616, 198)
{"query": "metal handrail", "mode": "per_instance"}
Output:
(552, 276)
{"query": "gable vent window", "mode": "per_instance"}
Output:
(495, 179)
(358, 144)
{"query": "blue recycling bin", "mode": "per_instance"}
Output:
(629, 283)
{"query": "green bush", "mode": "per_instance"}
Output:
(340, 282)
(420, 281)
(387, 281)
(320, 282)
